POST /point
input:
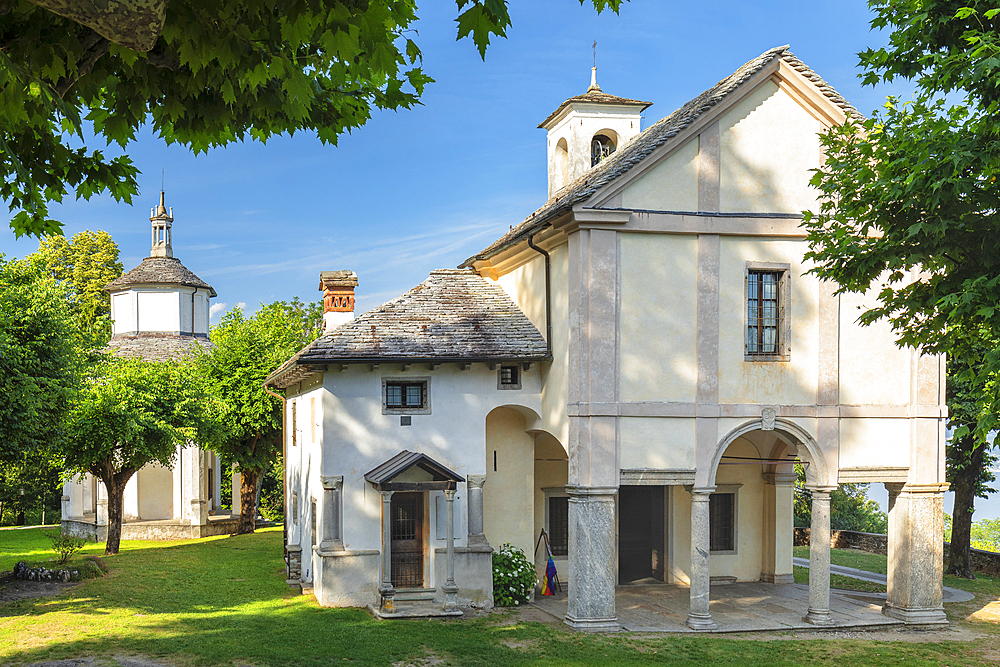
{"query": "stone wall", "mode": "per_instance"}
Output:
(986, 562)
(848, 539)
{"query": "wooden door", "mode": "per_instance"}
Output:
(640, 533)
(407, 548)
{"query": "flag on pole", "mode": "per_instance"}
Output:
(549, 587)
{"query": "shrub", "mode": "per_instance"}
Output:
(513, 576)
(65, 545)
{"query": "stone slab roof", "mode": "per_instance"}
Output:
(400, 463)
(157, 346)
(594, 95)
(159, 271)
(633, 152)
(454, 315)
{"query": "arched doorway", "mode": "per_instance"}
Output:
(760, 454)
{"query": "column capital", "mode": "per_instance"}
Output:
(701, 493)
(779, 478)
(475, 481)
(592, 491)
(450, 494)
(386, 495)
(821, 491)
(925, 488)
(332, 482)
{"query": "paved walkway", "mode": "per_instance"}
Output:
(949, 594)
(739, 607)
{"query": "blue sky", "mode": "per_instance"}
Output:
(426, 188)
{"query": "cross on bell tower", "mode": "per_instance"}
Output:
(161, 221)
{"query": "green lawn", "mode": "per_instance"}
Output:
(223, 601)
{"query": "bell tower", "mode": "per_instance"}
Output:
(161, 221)
(585, 130)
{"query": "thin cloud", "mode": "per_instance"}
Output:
(217, 308)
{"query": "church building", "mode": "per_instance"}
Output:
(159, 311)
(635, 368)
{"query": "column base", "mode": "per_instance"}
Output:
(701, 622)
(819, 618)
(769, 578)
(387, 604)
(916, 616)
(450, 597)
(593, 624)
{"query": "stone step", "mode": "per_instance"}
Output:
(414, 594)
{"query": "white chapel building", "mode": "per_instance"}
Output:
(635, 368)
(159, 311)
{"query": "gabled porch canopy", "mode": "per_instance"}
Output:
(412, 471)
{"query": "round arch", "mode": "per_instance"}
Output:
(789, 432)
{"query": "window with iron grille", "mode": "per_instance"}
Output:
(509, 377)
(559, 525)
(405, 396)
(767, 299)
(722, 521)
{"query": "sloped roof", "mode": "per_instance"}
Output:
(594, 95)
(159, 271)
(157, 346)
(400, 463)
(633, 152)
(454, 315)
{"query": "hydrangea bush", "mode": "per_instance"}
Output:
(513, 576)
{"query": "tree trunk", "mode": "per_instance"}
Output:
(248, 504)
(964, 484)
(116, 502)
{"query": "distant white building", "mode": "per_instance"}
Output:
(159, 311)
(634, 368)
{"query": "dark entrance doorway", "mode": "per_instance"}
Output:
(407, 510)
(640, 533)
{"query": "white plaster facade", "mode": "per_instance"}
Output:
(649, 390)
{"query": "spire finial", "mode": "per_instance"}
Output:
(593, 71)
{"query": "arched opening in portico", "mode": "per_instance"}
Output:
(526, 474)
(741, 520)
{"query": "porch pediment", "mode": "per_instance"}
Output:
(412, 471)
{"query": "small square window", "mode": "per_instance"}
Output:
(405, 396)
(509, 377)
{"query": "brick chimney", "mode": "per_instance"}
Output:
(338, 297)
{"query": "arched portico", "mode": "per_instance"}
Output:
(777, 474)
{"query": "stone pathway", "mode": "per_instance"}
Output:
(740, 607)
(949, 594)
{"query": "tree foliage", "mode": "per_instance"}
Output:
(850, 507)
(909, 196)
(220, 71)
(40, 361)
(133, 412)
(85, 264)
(246, 350)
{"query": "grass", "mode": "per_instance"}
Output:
(848, 558)
(223, 601)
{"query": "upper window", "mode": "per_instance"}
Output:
(601, 146)
(767, 329)
(405, 396)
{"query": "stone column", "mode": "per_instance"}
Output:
(385, 589)
(449, 588)
(916, 554)
(331, 538)
(75, 497)
(101, 492)
(237, 498)
(778, 527)
(819, 559)
(699, 615)
(65, 511)
(592, 558)
(194, 485)
(475, 484)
